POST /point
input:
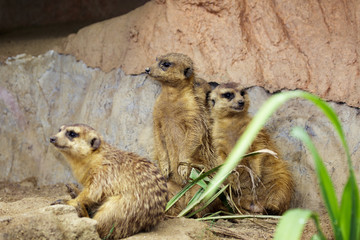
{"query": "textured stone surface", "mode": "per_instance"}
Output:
(53, 222)
(312, 45)
(38, 94)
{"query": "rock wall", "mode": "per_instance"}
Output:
(311, 45)
(39, 94)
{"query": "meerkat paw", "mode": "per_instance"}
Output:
(80, 208)
(184, 171)
(59, 201)
(73, 190)
(165, 171)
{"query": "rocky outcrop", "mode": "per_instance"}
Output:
(53, 222)
(39, 94)
(311, 45)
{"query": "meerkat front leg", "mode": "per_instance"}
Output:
(73, 190)
(79, 203)
(160, 152)
(190, 146)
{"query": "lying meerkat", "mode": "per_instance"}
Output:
(121, 190)
(262, 183)
(181, 119)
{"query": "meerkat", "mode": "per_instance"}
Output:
(124, 192)
(181, 121)
(262, 183)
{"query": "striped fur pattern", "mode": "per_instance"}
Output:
(121, 190)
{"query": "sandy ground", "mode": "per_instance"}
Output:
(25, 197)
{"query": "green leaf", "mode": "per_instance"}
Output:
(349, 214)
(187, 187)
(209, 201)
(195, 174)
(196, 195)
(326, 186)
(292, 223)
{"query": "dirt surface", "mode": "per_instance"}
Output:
(25, 198)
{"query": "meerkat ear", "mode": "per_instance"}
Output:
(95, 143)
(213, 85)
(188, 72)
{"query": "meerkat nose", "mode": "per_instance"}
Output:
(147, 70)
(53, 139)
(241, 103)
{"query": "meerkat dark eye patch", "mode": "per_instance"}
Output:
(164, 65)
(71, 134)
(228, 95)
(242, 92)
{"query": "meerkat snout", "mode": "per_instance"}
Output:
(52, 139)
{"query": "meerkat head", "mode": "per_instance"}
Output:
(172, 69)
(228, 99)
(76, 141)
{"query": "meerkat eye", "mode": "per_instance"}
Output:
(71, 134)
(166, 64)
(242, 92)
(228, 95)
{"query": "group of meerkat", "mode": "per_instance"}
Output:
(196, 125)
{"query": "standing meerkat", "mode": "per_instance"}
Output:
(181, 121)
(121, 190)
(261, 183)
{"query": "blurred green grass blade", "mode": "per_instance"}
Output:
(325, 183)
(331, 115)
(349, 210)
(346, 211)
(292, 223)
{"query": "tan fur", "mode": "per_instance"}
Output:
(261, 183)
(120, 189)
(181, 134)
